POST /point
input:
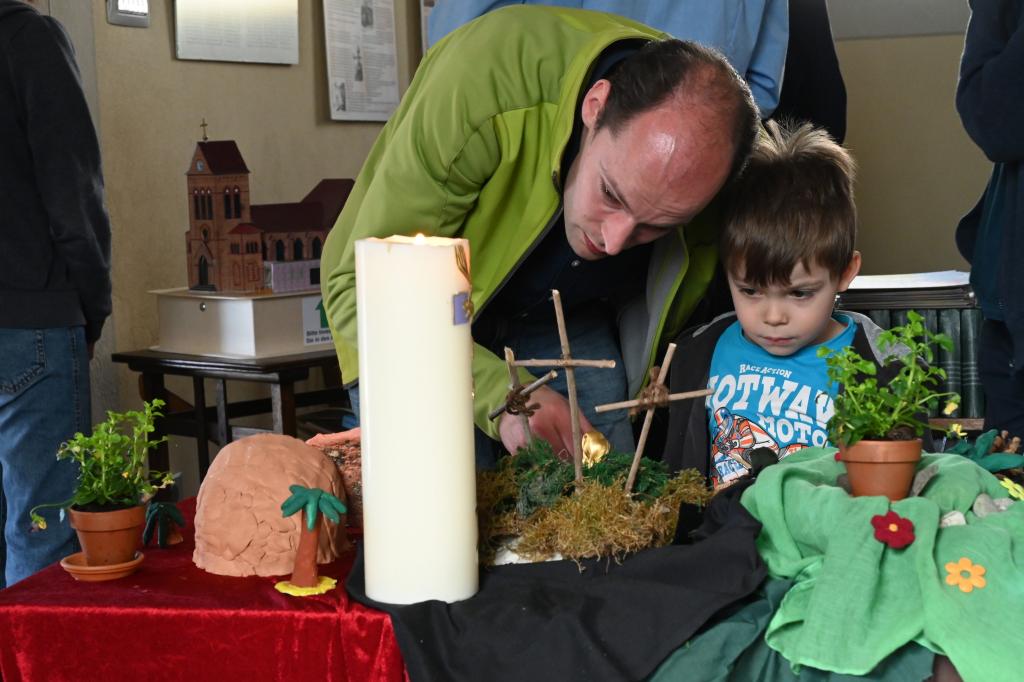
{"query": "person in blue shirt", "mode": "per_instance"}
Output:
(787, 248)
(752, 34)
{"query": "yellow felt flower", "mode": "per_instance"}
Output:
(950, 409)
(965, 574)
(1016, 490)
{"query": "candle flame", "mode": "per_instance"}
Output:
(420, 239)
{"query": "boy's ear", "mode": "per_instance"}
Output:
(850, 272)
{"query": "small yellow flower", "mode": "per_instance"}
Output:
(41, 524)
(965, 574)
(950, 409)
(124, 474)
(1015, 489)
(957, 430)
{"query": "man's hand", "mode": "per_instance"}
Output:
(551, 422)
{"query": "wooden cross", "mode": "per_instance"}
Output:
(517, 389)
(203, 126)
(650, 406)
(570, 365)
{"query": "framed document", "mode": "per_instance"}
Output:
(362, 59)
(265, 31)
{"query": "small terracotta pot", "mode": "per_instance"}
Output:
(881, 467)
(109, 537)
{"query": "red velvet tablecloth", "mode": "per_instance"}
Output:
(173, 621)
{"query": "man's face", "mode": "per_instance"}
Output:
(660, 170)
(783, 319)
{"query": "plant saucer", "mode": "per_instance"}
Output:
(76, 566)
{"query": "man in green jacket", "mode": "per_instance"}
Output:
(574, 150)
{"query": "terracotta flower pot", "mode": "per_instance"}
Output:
(109, 537)
(881, 467)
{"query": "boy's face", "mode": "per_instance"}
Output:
(782, 319)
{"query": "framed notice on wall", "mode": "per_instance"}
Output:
(362, 59)
(265, 31)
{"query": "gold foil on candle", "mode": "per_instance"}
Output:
(595, 447)
(462, 262)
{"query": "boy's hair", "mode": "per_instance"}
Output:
(792, 204)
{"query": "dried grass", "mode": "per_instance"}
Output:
(595, 519)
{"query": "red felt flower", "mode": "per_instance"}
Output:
(893, 529)
(839, 457)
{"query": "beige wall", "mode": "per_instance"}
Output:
(150, 105)
(919, 172)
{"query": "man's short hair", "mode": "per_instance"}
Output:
(696, 75)
(792, 204)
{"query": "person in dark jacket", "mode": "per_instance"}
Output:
(990, 100)
(787, 249)
(54, 278)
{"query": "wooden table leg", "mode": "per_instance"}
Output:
(202, 438)
(223, 425)
(282, 399)
(152, 386)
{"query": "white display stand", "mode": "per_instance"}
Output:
(231, 325)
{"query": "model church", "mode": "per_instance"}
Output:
(233, 245)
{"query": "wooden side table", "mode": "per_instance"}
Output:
(279, 372)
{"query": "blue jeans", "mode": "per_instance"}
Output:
(44, 400)
(591, 337)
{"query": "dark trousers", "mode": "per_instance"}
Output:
(1002, 382)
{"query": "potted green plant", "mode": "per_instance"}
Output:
(877, 426)
(107, 509)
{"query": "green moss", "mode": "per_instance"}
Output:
(533, 495)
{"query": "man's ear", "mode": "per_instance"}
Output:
(850, 272)
(593, 102)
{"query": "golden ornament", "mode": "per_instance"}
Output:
(595, 447)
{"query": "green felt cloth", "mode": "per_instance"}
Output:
(855, 601)
(734, 649)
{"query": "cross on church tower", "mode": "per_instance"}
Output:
(203, 126)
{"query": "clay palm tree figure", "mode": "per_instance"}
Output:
(312, 502)
(165, 519)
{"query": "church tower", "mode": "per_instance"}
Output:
(218, 189)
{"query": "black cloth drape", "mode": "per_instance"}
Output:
(549, 621)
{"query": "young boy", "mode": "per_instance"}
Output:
(787, 248)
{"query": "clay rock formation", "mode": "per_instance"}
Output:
(344, 449)
(239, 529)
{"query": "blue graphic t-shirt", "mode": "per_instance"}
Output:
(762, 400)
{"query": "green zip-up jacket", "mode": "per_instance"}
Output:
(474, 151)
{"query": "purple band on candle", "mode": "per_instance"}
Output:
(463, 308)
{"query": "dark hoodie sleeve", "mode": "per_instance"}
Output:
(990, 94)
(66, 161)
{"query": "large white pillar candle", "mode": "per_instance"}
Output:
(416, 412)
